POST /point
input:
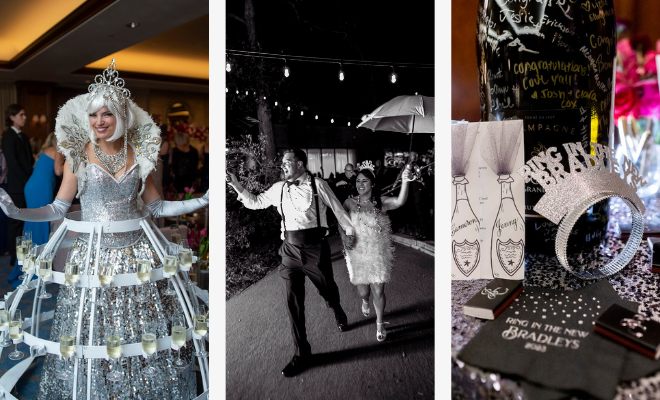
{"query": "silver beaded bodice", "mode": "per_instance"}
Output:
(105, 198)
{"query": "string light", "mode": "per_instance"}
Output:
(246, 92)
(228, 67)
(226, 90)
(276, 104)
(288, 108)
(302, 112)
(236, 91)
(393, 76)
(264, 97)
(341, 73)
(286, 69)
(317, 117)
(332, 120)
(349, 123)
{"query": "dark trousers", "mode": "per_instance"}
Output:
(15, 227)
(297, 262)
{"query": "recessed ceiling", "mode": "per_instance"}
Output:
(169, 48)
(182, 51)
(24, 23)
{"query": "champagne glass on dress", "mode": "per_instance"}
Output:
(45, 270)
(113, 337)
(4, 322)
(27, 241)
(178, 338)
(143, 276)
(185, 257)
(171, 266)
(71, 277)
(20, 252)
(67, 348)
(26, 247)
(16, 333)
(29, 262)
(200, 327)
(175, 234)
(106, 272)
(149, 345)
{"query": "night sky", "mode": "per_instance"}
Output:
(352, 30)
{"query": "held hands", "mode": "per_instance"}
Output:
(349, 243)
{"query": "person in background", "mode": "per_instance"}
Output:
(18, 154)
(40, 191)
(204, 157)
(165, 156)
(35, 146)
(345, 183)
(421, 201)
(379, 170)
(184, 162)
(4, 220)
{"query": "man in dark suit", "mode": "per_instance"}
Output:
(17, 151)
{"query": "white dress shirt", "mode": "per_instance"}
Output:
(298, 204)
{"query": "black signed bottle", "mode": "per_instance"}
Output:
(551, 64)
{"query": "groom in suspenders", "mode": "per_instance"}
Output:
(302, 202)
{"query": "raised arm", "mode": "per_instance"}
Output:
(330, 200)
(391, 203)
(254, 202)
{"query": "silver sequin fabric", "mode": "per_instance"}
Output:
(107, 199)
(635, 282)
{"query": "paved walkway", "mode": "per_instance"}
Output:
(348, 365)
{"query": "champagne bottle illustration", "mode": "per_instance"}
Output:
(465, 246)
(508, 238)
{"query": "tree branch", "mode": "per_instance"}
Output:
(236, 17)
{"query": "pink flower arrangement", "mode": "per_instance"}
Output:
(194, 132)
(636, 89)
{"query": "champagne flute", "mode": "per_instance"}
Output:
(20, 249)
(29, 262)
(4, 322)
(16, 333)
(175, 236)
(45, 270)
(71, 277)
(106, 272)
(200, 327)
(27, 241)
(143, 275)
(185, 258)
(67, 349)
(178, 338)
(149, 345)
(170, 266)
(113, 334)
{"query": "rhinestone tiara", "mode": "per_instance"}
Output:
(366, 165)
(110, 86)
(589, 175)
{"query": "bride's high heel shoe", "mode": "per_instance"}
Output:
(381, 333)
(365, 308)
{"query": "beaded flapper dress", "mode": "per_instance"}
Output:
(371, 259)
(104, 198)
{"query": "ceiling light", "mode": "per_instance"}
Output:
(133, 25)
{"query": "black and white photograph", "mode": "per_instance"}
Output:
(330, 199)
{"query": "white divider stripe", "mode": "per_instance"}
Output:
(120, 280)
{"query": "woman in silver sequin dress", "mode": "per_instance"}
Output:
(111, 146)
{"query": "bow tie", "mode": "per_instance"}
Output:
(288, 184)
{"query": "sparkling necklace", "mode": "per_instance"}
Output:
(375, 228)
(112, 163)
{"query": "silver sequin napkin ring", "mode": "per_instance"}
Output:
(568, 194)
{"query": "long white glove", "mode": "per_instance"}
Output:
(160, 208)
(55, 210)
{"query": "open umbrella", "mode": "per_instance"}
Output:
(407, 114)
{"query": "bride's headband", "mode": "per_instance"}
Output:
(592, 178)
(109, 85)
(366, 165)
